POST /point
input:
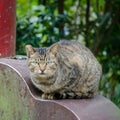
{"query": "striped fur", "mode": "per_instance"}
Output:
(66, 69)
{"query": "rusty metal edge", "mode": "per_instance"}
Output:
(41, 100)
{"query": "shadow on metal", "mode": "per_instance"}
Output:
(20, 100)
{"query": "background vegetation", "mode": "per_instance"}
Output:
(95, 23)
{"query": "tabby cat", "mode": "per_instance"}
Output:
(67, 69)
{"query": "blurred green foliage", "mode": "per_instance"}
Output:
(95, 23)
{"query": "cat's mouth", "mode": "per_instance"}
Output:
(44, 76)
(42, 73)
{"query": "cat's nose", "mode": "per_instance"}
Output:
(42, 72)
(42, 68)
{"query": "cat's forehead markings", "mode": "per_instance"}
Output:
(41, 51)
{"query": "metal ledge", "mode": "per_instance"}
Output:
(20, 100)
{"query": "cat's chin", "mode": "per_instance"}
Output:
(44, 79)
(43, 76)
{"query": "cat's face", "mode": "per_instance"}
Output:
(42, 63)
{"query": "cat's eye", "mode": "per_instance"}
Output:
(35, 62)
(49, 62)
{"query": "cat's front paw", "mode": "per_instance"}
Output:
(47, 96)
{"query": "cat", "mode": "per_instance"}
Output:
(66, 69)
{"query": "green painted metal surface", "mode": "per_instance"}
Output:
(14, 99)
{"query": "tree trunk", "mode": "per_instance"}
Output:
(60, 6)
(43, 2)
(60, 11)
(87, 22)
(99, 34)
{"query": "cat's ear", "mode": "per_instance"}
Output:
(29, 50)
(54, 48)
